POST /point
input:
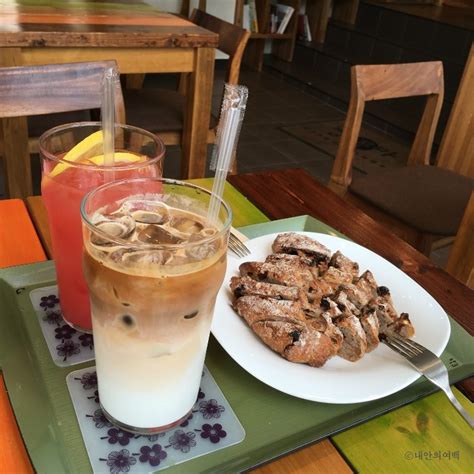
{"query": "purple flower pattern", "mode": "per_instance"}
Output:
(152, 455)
(214, 433)
(67, 349)
(182, 441)
(49, 301)
(64, 332)
(88, 380)
(53, 317)
(116, 435)
(210, 409)
(95, 397)
(200, 395)
(99, 419)
(186, 421)
(87, 340)
(120, 461)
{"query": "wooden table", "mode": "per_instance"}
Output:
(139, 38)
(383, 441)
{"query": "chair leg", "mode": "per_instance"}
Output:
(134, 81)
(16, 158)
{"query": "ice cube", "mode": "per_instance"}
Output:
(118, 228)
(208, 232)
(186, 225)
(154, 234)
(146, 257)
(150, 217)
(140, 210)
(202, 251)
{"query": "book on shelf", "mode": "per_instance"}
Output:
(246, 17)
(307, 29)
(304, 32)
(253, 16)
(284, 14)
(249, 17)
(273, 19)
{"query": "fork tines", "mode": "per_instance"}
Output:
(407, 347)
(237, 246)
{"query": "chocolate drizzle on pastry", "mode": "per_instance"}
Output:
(309, 305)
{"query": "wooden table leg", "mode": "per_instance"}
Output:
(14, 141)
(16, 157)
(134, 81)
(198, 111)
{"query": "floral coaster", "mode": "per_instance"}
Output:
(66, 345)
(211, 426)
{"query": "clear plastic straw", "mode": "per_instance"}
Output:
(108, 114)
(230, 123)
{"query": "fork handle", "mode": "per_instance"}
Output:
(454, 401)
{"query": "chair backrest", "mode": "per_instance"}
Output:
(461, 258)
(456, 151)
(37, 90)
(232, 40)
(389, 81)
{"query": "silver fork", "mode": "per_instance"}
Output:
(429, 365)
(236, 244)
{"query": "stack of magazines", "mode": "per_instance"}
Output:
(249, 20)
(280, 17)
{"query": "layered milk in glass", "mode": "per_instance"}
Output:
(153, 267)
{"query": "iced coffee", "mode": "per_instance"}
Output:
(153, 264)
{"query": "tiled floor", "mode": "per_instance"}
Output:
(273, 103)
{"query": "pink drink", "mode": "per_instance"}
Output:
(62, 193)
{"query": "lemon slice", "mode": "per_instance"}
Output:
(87, 151)
(119, 157)
(86, 148)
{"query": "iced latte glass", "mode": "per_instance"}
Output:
(72, 165)
(153, 264)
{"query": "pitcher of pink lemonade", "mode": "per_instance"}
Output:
(73, 164)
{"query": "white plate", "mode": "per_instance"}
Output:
(376, 375)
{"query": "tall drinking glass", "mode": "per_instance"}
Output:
(154, 265)
(72, 165)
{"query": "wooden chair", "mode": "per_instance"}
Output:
(461, 258)
(37, 90)
(162, 110)
(423, 204)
